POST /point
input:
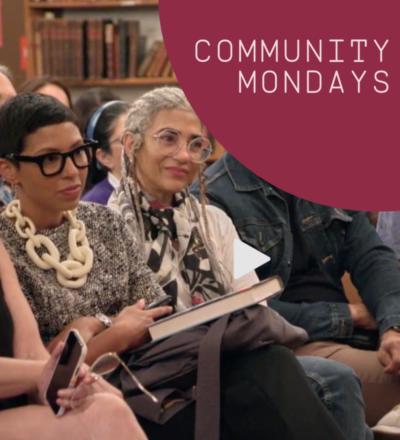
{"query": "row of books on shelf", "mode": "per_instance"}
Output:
(96, 49)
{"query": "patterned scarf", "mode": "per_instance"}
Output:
(164, 228)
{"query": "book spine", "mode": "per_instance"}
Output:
(53, 48)
(80, 49)
(66, 65)
(58, 55)
(68, 58)
(161, 62)
(109, 49)
(85, 46)
(117, 52)
(99, 49)
(133, 30)
(91, 49)
(156, 61)
(144, 67)
(46, 48)
(166, 70)
(122, 25)
(38, 44)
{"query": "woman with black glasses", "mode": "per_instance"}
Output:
(76, 262)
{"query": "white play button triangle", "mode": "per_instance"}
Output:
(246, 259)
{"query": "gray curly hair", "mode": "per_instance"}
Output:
(145, 109)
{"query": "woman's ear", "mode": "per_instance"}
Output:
(9, 172)
(129, 144)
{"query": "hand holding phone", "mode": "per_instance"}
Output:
(65, 369)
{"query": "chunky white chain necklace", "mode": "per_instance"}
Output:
(72, 272)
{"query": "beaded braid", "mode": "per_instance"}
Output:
(225, 278)
(142, 232)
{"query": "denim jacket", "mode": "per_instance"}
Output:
(340, 240)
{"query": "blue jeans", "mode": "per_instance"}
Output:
(339, 389)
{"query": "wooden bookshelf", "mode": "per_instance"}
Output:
(40, 9)
(12, 30)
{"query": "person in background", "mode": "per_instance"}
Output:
(311, 246)
(26, 368)
(188, 244)
(388, 228)
(89, 101)
(48, 86)
(7, 91)
(106, 126)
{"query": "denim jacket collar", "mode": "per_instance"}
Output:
(242, 180)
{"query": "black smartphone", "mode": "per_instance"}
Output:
(165, 300)
(66, 371)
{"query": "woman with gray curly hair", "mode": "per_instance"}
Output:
(189, 244)
(165, 150)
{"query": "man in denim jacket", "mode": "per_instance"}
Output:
(321, 243)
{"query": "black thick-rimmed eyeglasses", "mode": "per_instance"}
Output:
(51, 164)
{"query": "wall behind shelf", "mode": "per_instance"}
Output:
(149, 25)
(13, 30)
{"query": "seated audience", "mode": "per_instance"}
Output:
(311, 246)
(89, 101)
(388, 228)
(48, 86)
(187, 244)
(106, 126)
(89, 264)
(6, 91)
(26, 368)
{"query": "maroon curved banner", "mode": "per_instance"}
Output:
(303, 93)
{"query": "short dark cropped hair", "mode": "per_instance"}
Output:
(25, 114)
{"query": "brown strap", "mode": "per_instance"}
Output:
(208, 383)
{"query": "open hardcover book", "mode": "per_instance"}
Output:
(215, 308)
